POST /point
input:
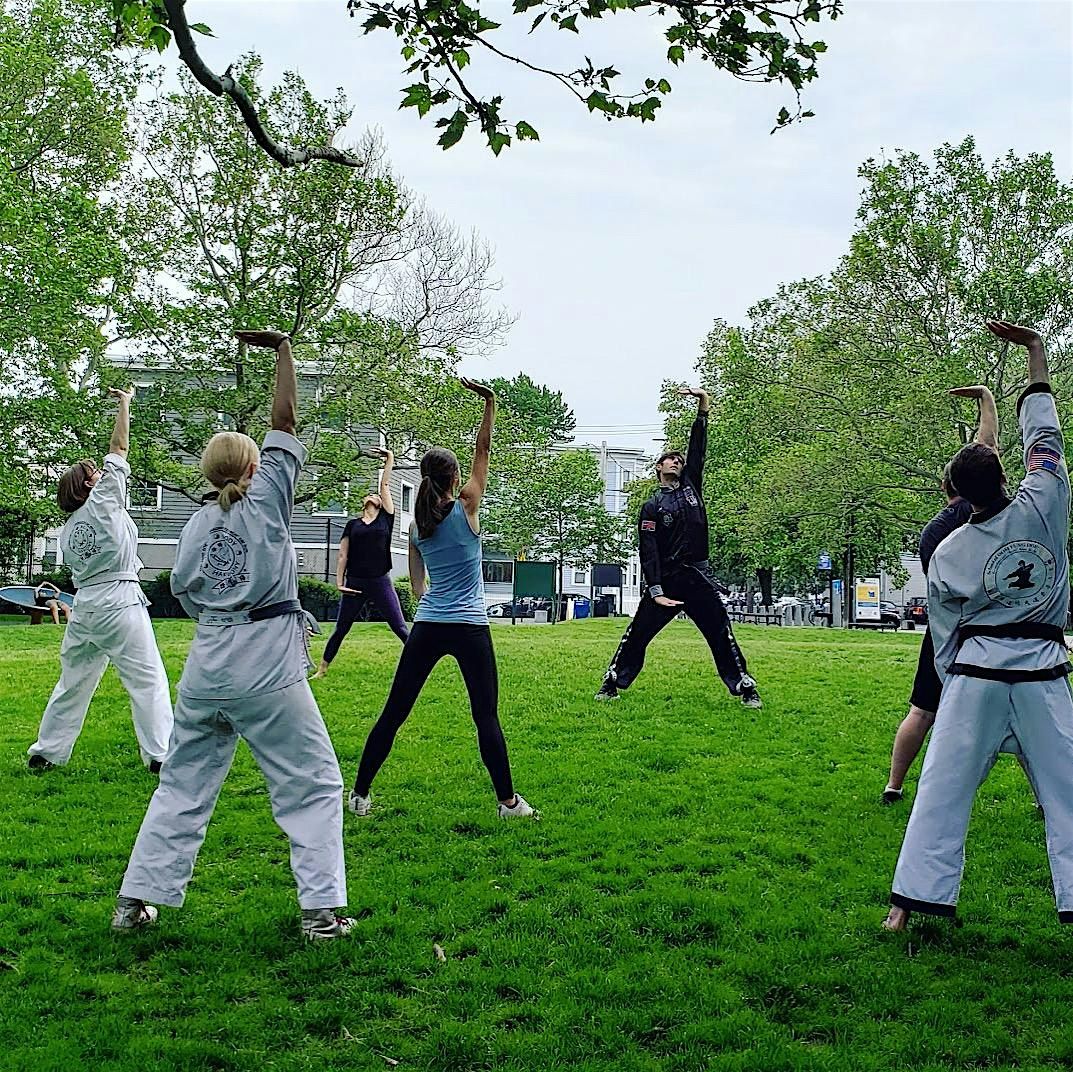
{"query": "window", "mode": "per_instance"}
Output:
(143, 495)
(580, 575)
(407, 496)
(334, 507)
(498, 572)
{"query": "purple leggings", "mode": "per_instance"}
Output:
(381, 592)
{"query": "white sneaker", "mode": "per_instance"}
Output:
(520, 809)
(321, 923)
(130, 914)
(359, 805)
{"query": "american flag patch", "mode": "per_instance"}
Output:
(648, 526)
(1044, 458)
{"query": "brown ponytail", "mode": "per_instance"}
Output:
(72, 491)
(439, 471)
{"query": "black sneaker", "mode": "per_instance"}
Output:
(893, 796)
(751, 698)
(39, 763)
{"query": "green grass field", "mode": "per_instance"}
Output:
(704, 891)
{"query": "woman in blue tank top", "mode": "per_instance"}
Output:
(451, 618)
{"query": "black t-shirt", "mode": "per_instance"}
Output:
(369, 548)
(945, 522)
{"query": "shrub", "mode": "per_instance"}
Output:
(404, 590)
(60, 576)
(319, 598)
(162, 604)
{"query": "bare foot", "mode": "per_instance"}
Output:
(319, 674)
(896, 919)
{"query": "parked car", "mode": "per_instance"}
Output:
(916, 610)
(503, 610)
(889, 617)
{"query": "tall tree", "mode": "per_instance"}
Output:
(62, 144)
(380, 297)
(831, 421)
(751, 40)
(558, 513)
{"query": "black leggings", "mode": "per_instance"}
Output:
(380, 591)
(471, 648)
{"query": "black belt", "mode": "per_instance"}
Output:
(1011, 677)
(255, 614)
(1014, 631)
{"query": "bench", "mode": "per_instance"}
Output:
(749, 617)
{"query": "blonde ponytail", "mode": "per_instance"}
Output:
(225, 463)
(232, 491)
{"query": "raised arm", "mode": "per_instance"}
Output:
(474, 488)
(987, 432)
(285, 399)
(1038, 371)
(698, 435)
(388, 460)
(120, 442)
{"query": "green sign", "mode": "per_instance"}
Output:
(535, 579)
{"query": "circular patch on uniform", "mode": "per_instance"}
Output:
(1020, 574)
(223, 556)
(668, 519)
(83, 540)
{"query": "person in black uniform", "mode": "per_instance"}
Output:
(677, 575)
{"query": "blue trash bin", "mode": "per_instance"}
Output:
(582, 608)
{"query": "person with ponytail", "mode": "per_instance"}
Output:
(109, 621)
(236, 574)
(451, 618)
(363, 569)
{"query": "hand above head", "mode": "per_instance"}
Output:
(379, 452)
(977, 391)
(123, 396)
(271, 340)
(692, 392)
(477, 388)
(1021, 336)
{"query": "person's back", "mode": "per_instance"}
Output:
(452, 556)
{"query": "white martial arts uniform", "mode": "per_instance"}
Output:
(245, 680)
(108, 622)
(1005, 572)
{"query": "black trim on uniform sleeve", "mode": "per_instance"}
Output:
(1037, 388)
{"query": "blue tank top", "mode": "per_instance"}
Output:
(452, 557)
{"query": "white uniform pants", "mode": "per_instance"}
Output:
(288, 739)
(975, 720)
(125, 636)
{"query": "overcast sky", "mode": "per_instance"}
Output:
(618, 244)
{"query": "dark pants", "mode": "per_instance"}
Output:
(695, 587)
(381, 592)
(471, 647)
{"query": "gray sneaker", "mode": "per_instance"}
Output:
(323, 923)
(359, 805)
(131, 914)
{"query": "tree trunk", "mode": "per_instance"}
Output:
(764, 575)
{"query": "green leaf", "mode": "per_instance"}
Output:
(676, 54)
(484, 25)
(201, 28)
(663, 86)
(598, 101)
(455, 127)
(497, 141)
(525, 132)
(160, 37)
(538, 20)
(417, 96)
(461, 58)
(569, 23)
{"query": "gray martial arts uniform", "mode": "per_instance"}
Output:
(998, 596)
(109, 623)
(245, 679)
